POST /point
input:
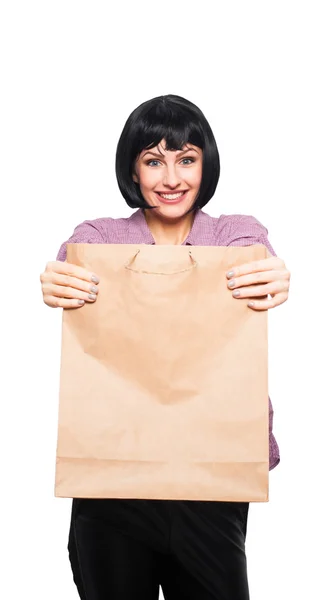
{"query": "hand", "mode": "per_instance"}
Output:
(68, 286)
(261, 278)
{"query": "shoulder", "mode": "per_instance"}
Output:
(235, 226)
(105, 230)
(241, 230)
(226, 229)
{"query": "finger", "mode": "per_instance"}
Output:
(66, 268)
(269, 303)
(71, 282)
(55, 302)
(258, 277)
(267, 264)
(274, 287)
(60, 291)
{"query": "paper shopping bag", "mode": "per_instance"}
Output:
(163, 391)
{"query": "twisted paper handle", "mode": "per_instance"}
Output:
(131, 260)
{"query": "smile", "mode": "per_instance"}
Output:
(171, 198)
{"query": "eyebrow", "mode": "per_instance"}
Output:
(162, 155)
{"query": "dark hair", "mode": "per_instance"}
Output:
(178, 122)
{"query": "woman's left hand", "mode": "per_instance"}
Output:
(261, 278)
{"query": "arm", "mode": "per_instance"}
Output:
(268, 277)
(240, 230)
(66, 285)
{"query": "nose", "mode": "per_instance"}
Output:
(171, 178)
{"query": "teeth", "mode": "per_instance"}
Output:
(171, 196)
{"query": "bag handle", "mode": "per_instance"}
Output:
(128, 266)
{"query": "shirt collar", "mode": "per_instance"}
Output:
(201, 233)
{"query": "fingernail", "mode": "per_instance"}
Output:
(230, 274)
(232, 283)
(81, 302)
(236, 293)
(94, 289)
(95, 279)
(250, 304)
(92, 296)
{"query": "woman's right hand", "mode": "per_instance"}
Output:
(68, 286)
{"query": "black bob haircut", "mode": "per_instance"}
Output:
(178, 122)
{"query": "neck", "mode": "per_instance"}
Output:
(169, 232)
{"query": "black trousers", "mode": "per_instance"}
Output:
(126, 549)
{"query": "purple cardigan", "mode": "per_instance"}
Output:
(227, 230)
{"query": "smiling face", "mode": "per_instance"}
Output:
(169, 179)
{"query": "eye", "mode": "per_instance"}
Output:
(150, 163)
(191, 160)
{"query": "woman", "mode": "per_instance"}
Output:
(167, 166)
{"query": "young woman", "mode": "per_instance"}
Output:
(167, 167)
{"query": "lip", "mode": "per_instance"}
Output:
(176, 201)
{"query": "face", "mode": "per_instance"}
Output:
(169, 180)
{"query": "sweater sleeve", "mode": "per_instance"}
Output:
(85, 233)
(273, 445)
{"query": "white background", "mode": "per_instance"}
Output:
(71, 73)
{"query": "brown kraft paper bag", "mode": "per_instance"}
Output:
(164, 383)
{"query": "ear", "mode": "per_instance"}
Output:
(135, 178)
